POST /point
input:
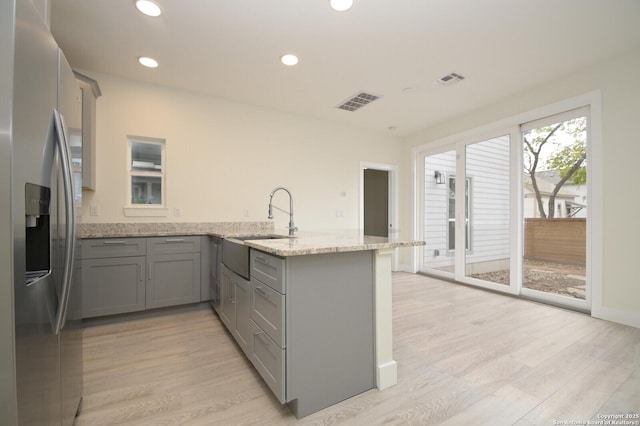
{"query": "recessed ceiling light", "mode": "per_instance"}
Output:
(341, 5)
(148, 62)
(289, 60)
(148, 7)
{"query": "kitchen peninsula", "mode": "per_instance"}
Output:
(315, 315)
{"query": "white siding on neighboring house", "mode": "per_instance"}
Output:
(488, 177)
(435, 209)
(488, 166)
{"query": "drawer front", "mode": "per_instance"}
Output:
(100, 248)
(171, 245)
(268, 269)
(267, 310)
(268, 358)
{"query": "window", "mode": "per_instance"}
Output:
(146, 160)
(451, 207)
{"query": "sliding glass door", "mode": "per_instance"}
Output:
(509, 212)
(488, 210)
(439, 213)
(467, 212)
(555, 208)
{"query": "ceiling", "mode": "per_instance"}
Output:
(391, 48)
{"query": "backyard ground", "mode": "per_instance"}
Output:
(551, 277)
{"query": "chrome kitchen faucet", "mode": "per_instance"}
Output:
(291, 227)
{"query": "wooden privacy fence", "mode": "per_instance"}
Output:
(556, 240)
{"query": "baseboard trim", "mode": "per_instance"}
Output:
(387, 375)
(631, 319)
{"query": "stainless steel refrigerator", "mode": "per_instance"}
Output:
(40, 300)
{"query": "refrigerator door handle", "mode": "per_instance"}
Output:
(70, 228)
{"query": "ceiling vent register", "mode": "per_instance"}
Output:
(449, 79)
(357, 101)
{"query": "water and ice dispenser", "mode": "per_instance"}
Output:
(37, 219)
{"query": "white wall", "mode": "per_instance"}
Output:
(621, 151)
(224, 158)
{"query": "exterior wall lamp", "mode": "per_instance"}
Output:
(440, 178)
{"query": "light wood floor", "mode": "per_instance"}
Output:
(465, 357)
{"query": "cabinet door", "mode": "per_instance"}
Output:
(174, 279)
(228, 299)
(90, 91)
(113, 285)
(205, 274)
(242, 331)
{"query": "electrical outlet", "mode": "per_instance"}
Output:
(339, 213)
(177, 212)
(246, 213)
(94, 210)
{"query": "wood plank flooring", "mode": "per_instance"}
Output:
(465, 357)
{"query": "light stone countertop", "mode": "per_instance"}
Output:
(130, 230)
(308, 242)
(303, 243)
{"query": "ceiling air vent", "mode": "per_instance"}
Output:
(357, 101)
(449, 79)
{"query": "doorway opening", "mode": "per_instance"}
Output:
(376, 202)
(378, 210)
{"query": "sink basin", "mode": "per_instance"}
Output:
(235, 253)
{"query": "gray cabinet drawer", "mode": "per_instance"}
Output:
(267, 310)
(268, 358)
(112, 247)
(268, 269)
(162, 245)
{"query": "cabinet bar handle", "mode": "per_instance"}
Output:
(260, 336)
(140, 272)
(174, 240)
(116, 242)
(149, 268)
(262, 292)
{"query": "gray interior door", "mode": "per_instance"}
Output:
(376, 202)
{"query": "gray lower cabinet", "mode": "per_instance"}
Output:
(235, 305)
(121, 275)
(312, 326)
(227, 309)
(205, 269)
(267, 317)
(242, 331)
(174, 271)
(113, 276)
